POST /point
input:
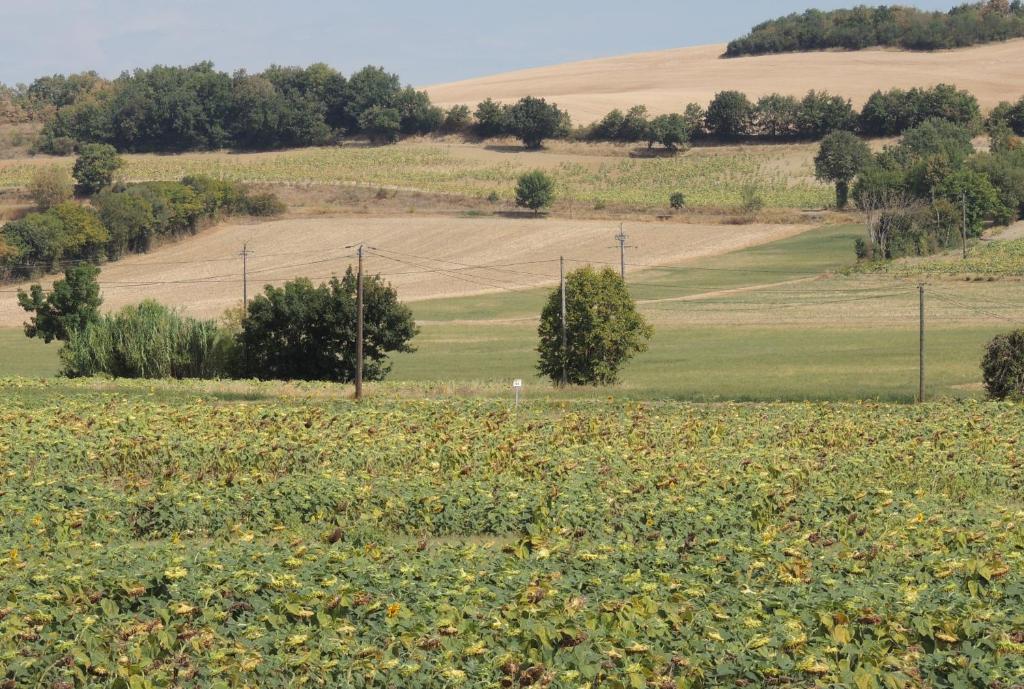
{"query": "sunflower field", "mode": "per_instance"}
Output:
(193, 542)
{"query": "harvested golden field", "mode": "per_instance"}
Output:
(424, 257)
(666, 80)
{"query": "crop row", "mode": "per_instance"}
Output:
(417, 544)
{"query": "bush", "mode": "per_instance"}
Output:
(751, 199)
(263, 204)
(95, 167)
(1003, 366)
(535, 190)
(491, 119)
(129, 220)
(302, 332)
(603, 329)
(382, 125)
(50, 186)
(148, 340)
(457, 119)
(677, 201)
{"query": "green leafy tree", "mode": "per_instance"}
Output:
(840, 158)
(670, 131)
(95, 167)
(635, 125)
(306, 332)
(69, 306)
(730, 115)
(382, 125)
(50, 185)
(535, 190)
(532, 120)
(1003, 366)
(776, 116)
(966, 188)
(491, 119)
(603, 329)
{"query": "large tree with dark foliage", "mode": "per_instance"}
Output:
(532, 120)
(306, 332)
(730, 116)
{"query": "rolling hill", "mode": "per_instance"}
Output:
(666, 80)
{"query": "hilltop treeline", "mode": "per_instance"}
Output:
(897, 27)
(734, 116)
(122, 219)
(200, 108)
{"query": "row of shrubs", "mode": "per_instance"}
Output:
(194, 108)
(122, 219)
(733, 116)
(894, 26)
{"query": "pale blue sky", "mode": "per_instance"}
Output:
(425, 41)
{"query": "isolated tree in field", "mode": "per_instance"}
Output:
(50, 186)
(841, 156)
(535, 190)
(382, 125)
(305, 332)
(95, 168)
(532, 120)
(603, 329)
(73, 303)
(730, 115)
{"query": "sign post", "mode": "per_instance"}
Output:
(517, 385)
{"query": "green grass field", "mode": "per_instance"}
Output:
(825, 345)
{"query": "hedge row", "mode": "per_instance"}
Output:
(120, 220)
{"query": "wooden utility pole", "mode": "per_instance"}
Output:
(245, 281)
(920, 384)
(621, 238)
(359, 326)
(565, 338)
(964, 232)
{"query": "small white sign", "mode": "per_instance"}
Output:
(517, 383)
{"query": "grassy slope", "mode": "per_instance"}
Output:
(814, 361)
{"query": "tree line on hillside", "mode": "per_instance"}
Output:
(892, 26)
(200, 108)
(732, 116)
(170, 109)
(117, 218)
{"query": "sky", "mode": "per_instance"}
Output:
(424, 41)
